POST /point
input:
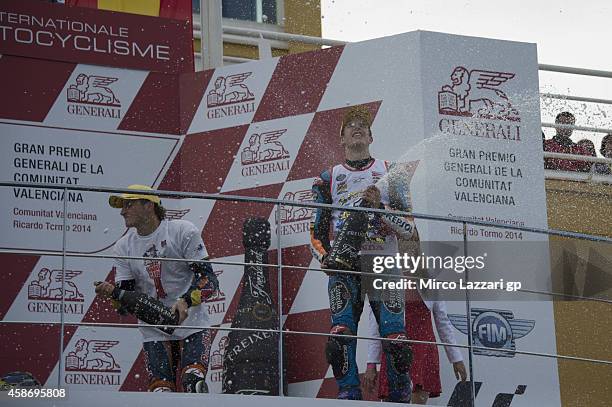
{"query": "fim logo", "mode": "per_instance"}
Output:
(230, 96)
(493, 329)
(476, 93)
(296, 219)
(46, 292)
(91, 363)
(264, 154)
(91, 95)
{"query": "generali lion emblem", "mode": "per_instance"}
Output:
(48, 286)
(218, 295)
(93, 89)
(264, 147)
(230, 89)
(216, 358)
(296, 213)
(92, 356)
(173, 214)
(477, 93)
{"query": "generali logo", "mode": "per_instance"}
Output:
(218, 295)
(296, 219)
(477, 93)
(92, 95)
(264, 154)
(479, 104)
(92, 362)
(230, 96)
(46, 291)
(216, 358)
(216, 302)
(173, 214)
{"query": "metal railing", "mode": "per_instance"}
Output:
(574, 127)
(65, 253)
(575, 157)
(244, 32)
(253, 36)
(576, 98)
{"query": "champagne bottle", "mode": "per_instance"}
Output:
(344, 254)
(250, 362)
(147, 309)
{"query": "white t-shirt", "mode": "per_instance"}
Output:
(164, 280)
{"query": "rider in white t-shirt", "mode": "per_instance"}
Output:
(180, 285)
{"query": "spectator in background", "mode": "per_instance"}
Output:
(590, 147)
(562, 143)
(606, 152)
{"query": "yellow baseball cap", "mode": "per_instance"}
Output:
(116, 201)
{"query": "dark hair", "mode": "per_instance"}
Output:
(160, 212)
(567, 115)
(588, 145)
(606, 139)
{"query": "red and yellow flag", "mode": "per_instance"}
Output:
(177, 9)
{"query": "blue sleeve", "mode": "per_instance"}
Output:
(319, 226)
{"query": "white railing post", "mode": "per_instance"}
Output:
(264, 47)
(211, 29)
